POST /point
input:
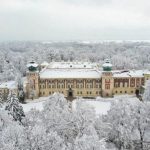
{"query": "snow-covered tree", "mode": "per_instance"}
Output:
(39, 138)
(12, 133)
(14, 108)
(129, 124)
(21, 96)
(1, 100)
(89, 142)
(146, 95)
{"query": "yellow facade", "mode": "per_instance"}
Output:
(104, 86)
(32, 86)
(78, 87)
(147, 76)
(105, 83)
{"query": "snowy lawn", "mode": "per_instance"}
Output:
(101, 105)
(34, 104)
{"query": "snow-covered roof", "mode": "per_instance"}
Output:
(107, 65)
(45, 63)
(130, 73)
(32, 63)
(8, 85)
(147, 72)
(72, 65)
(69, 73)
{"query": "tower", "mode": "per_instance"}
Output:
(107, 66)
(32, 87)
(107, 79)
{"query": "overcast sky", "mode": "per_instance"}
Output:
(65, 20)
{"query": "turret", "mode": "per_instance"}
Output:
(107, 66)
(107, 79)
(32, 80)
(32, 66)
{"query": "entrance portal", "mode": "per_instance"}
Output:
(70, 94)
(137, 92)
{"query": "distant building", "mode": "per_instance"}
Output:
(75, 79)
(6, 87)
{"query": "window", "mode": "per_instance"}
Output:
(121, 84)
(116, 84)
(90, 92)
(125, 91)
(81, 86)
(132, 82)
(50, 93)
(80, 92)
(126, 84)
(70, 86)
(87, 92)
(120, 91)
(107, 86)
(131, 91)
(116, 91)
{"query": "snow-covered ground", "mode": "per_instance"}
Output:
(32, 105)
(35, 104)
(101, 105)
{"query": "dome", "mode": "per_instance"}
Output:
(32, 66)
(107, 66)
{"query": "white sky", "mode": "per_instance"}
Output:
(65, 20)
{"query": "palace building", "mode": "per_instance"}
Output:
(89, 80)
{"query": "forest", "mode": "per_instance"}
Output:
(62, 126)
(14, 56)
(59, 126)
